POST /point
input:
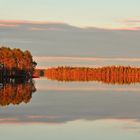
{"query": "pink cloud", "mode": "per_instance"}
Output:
(132, 24)
(36, 29)
(28, 22)
(114, 29)
(43, 117)
(15, 23)
(8, 25)
(129, 123)
(132, 21)
(7, 119)
(43, 59)
(42, 29)
(126, 29)
(33, 24)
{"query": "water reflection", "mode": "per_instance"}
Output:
(16, 91)
(61, 106)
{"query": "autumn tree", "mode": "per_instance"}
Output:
(17, 60)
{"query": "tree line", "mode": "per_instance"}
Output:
(108, 74)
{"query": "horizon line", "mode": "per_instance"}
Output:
(14, 23)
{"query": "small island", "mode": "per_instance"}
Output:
(15, 63)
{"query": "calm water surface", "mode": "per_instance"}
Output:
(72, 110)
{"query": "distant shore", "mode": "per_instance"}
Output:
(108, 74)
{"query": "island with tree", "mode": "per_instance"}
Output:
(15, 63)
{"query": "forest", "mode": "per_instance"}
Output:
(108, 74)
(16, 63)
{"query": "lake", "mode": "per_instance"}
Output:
(70, 110)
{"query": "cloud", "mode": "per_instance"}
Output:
(49, 25)
(43, 29)
(28, 25)
(27, 22)
(132, 21)
(60, 39)
(7, 119)
(55, 61)
(41, 58)
(36, 25)
(43, 117)
(8, 25)
(133, 24)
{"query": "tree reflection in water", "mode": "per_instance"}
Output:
(16, 91)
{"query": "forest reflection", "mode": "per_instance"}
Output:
(110, 75)
(16, 91)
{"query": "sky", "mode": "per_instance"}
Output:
(81, 13)
(50, 30)
(72, 28)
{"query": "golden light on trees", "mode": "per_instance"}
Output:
(16, 61)
(109, 74)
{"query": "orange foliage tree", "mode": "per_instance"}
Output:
(15, 59)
